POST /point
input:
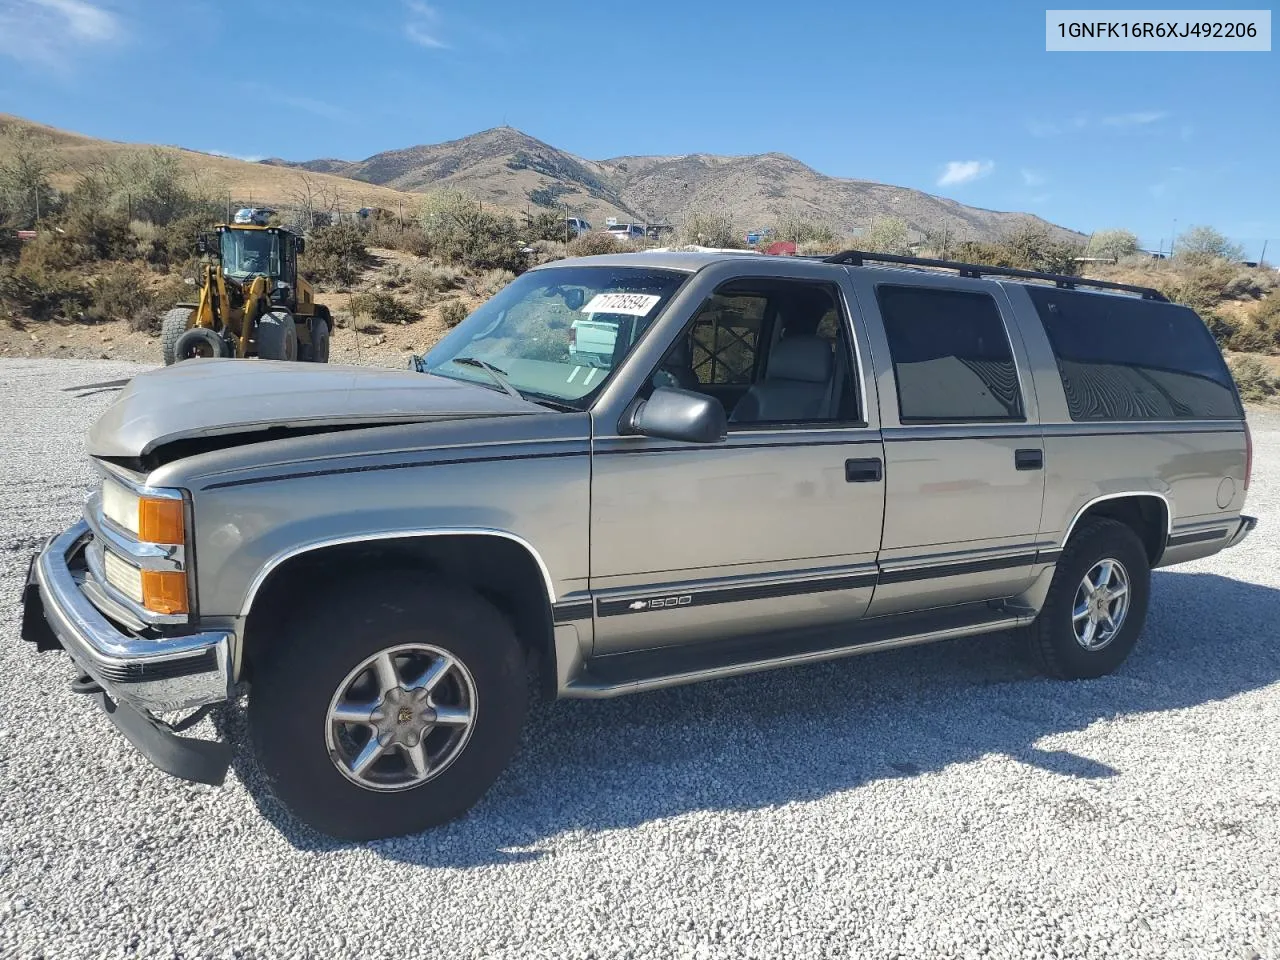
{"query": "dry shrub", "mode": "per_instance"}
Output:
(121, 292)
(1254, 380)
(489, 283)
(452, 313)
(595, 243)
(377, 307)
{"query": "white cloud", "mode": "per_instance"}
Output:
(1137, 119)
(52, 32)
(1033, 179)
(422, 25)
(964, 171)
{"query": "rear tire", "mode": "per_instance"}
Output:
(312, 671)
(1088, 629)
(317, 351)
(172, 326)
(199, 342)
(277, 336)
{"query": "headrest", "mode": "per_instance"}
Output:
(801, 358)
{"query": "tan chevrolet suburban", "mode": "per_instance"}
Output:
(782, 460)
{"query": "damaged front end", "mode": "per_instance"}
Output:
(120, 606)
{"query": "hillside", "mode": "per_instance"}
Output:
(506, 167)
(245, 181)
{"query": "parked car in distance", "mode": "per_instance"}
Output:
(576, 226)
(781, 460)
(627, 232)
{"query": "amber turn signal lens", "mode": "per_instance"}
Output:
(164, 591)
(160, 521)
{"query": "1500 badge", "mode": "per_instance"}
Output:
(661, 603)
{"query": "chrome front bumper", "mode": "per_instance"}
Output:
(161, 675)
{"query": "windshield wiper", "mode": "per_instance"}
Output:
(495, 374)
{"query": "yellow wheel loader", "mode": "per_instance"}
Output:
(252, 301)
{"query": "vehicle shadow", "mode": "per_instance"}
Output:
(800, 734)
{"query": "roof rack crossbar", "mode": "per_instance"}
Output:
(856, 258)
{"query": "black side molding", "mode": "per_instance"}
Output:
(1198, 536)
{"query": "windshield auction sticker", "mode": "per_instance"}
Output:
(632, 304)
(1158, 30)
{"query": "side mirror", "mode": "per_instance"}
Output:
(672, 414)
(302, 246)
(204, 243)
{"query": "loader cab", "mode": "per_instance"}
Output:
(248, 252)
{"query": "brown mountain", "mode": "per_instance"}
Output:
(508, 168)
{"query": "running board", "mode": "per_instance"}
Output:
(623, 673)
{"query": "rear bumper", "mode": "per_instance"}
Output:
(1242, 530)
(138, 676)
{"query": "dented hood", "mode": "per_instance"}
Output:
(214, 397)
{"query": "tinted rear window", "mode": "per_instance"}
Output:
(951, 356)
(1122, 358)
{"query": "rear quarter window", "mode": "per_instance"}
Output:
(1122, 358)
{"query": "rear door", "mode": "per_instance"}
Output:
(964, 455)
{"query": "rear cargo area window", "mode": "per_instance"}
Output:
(1122, 358)
(951, 356)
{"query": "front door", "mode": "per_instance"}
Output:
(776, 527)
(964, 455)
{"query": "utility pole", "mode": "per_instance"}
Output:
(1263, 259)
(1173, 237)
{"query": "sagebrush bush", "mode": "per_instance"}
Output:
(335, 254)
(391, 235)
(593, 244)
(460, 231)
(120, 292)
(432, 279)
(711, 228)
(488, 283)
(382, 308)
(33, 291)
(1027, 246)
(452, 313)
(1254, 379)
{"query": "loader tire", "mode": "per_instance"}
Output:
(199, 342)
(317, 351)
(172, 326)
(277, 336)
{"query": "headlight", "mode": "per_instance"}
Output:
(156, 518)
(150, 519)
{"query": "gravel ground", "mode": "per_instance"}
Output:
(934, 802)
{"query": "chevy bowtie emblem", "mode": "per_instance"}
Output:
(638, 605)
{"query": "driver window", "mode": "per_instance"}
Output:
(773, 352)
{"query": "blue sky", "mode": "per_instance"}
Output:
(959, 99)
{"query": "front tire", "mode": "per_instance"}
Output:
(277, 336)
(1096, 605)
(388, 707)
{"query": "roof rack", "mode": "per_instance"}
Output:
(855, 258)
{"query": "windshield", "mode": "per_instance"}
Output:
(557, 333)
(250, 252)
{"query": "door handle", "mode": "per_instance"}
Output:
(1031, 459)
(864, 471)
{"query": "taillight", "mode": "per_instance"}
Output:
(1248, 455)
(573, 336)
